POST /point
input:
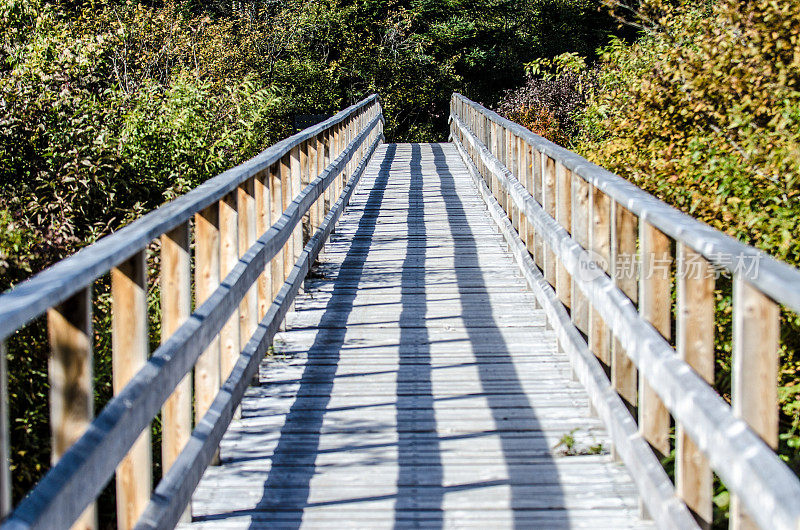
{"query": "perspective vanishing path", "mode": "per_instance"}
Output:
(417, 383)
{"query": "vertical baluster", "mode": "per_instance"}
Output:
(296, 185)
(176, 303)
(228, 257)
(5, 446)
(286, 195)
(304, 179)
(624, 267)
(524, 171)
(579, 209)
(69, 327)
(549, 196)
(694, 481)
(754, 396)
(655, 305)
(206, 280)
(600, 245)
(246, 220)
(327, 158)
(563, 217)
(313, 173)
(538, 189)
(321, 165)
(129, 354)
(276, 210)
(263, 223)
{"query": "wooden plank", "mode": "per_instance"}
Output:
(549, 205)
(624, 264)
(563, 204)
(129, 347)
(600, 246)
(263, 222)
(176, 305)
(57, 283)
(229, 336)
(206, 281)
(694, 481)
(276, 210)
(755, 364)
(312, 173)
(69, 371)
(580, 228)
(655, 306)
(246, 227)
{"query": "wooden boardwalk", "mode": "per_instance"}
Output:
(417, 384)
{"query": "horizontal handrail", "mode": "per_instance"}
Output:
(779, 281)
(57, 283)
(80, 474)
(748, 466)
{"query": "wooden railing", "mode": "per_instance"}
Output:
(256, 229)
(598, 251)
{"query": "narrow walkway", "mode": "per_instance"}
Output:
(417, 384)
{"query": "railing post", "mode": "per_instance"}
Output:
(694, 480)
(263, 223)
(754, 396)
(176, 303)
(549, 203)
(580, 230)
(296, 186)
(69, 327)
(624, 268)
(563, 217)
(600, 245)
(246, 207)
(313, 173)
(286, 194)
(276, 210)
(305, 231)
(206, 280)
(129, 345)
(228, 257)
(655, 306)
(538, 187)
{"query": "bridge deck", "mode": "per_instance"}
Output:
(417, 384)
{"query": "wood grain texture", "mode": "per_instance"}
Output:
(563, 211)
(129, 347)
(229, 336)
(176, 305)
(580, 228)
(694, 481)
(600, 246)
(69, 370)
(206, 281)
(625, 267)
(655, 306)
(754, 396)
(5, 450)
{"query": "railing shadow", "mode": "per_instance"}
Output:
(416, 478)
(495, 364)
(291, 467)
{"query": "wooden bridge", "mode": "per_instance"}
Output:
(480, 333)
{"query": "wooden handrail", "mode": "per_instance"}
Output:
(735, 442)
(235, 275)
